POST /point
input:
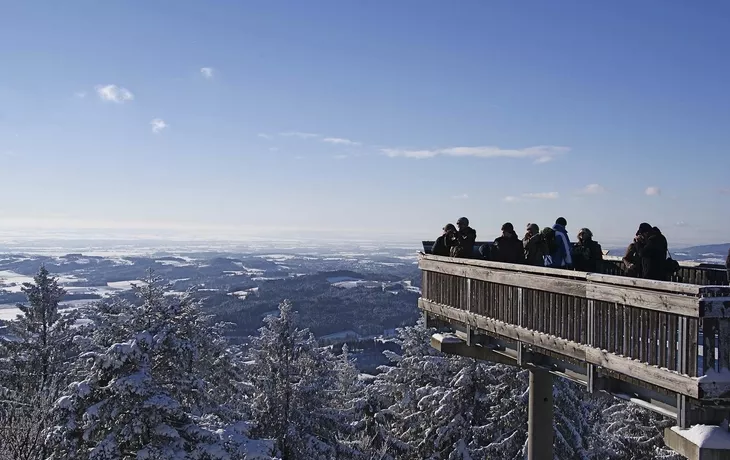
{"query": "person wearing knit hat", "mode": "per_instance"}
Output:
(587, 254)
(508, 247)
(444, 242)
(534, 246)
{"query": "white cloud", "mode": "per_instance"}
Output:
(511, 199)
(542, 195)
(273, 149)
(593, 189)
(299, 134)
(207, 72)
(340, 141)
(8, 153)
(80, 94)
(114, 93)
(158, 124)
(540, 152)
(681, 223)
(653, 191)
(265, 136)
(542, 160)
(463, 196)
(339, 157)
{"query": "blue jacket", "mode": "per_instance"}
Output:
(561, 256)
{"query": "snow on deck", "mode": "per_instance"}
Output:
(706, 436)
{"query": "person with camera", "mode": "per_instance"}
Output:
(651, 248)
(465, 239)
(587, 253)
(534, 246)
(443, 244)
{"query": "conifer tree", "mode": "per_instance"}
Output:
(158, 383)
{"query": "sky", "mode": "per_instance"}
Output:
(369, 119)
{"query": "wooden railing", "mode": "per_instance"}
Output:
(689, 272)
(646, 330)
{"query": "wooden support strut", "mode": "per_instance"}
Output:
(540, 431)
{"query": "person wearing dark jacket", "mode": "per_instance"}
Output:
(632, 260)
(508, 248)
(535, 246)
(587, 254)
(652, 248)
(444, 242)
(465, 239)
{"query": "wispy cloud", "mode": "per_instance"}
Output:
(8, 153)
(299, 134)
(265, 136)
(80, 94)
(593, 189)
(340, 141)
(539, 153)
(340, 157)
(158, 124)
(542, 160)
(653, 191)
(114, 93)
(681, 223)
(463, 196)
(207, 72)
(533, 196)
(542, 195)
(273, 149)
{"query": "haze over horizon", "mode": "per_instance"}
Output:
(340, 120)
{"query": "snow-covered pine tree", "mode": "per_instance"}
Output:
(37, 347)
(294, 401)
(158, 384)
(35, 353)
(631, 432)
(393, 426)
(574, 436)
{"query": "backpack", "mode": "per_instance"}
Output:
(671, 266)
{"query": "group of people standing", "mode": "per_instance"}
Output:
(549, 247)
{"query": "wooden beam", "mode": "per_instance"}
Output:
(540, 282)
(548, 342)
(667, 303)
(665, 286)
(520, 268)
(660, 377)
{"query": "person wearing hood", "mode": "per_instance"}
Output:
(652, 249)
(561, 252)
(508, 247)
(444, 242)
(535, 246)
(465, 239)
(587, 254)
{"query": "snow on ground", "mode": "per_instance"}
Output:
(268, 278)
(358, 283)
(124, 285)
(339, 279)
(174, 263)
(277, 257)
(13, 282)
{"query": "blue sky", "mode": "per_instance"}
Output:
(381, 119)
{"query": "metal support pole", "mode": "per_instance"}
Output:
(540, 423)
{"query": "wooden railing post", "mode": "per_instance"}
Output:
(469, 330)
(593, 381)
